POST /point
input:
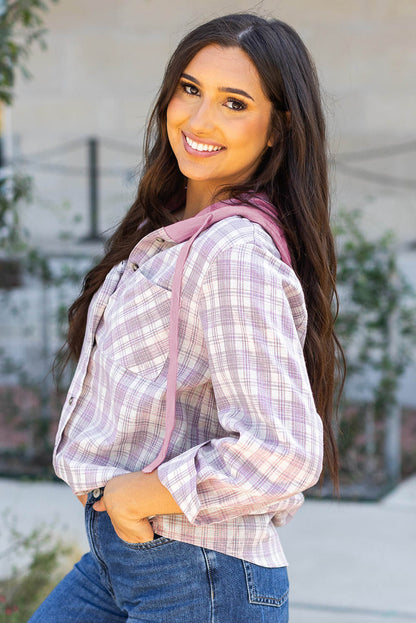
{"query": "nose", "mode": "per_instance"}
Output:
(202, 120)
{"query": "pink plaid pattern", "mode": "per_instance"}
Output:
(247, 439)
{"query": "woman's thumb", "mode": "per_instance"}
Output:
(99, 506)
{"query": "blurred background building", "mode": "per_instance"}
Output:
(105, 62)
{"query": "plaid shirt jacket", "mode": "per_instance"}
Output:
(247, 438)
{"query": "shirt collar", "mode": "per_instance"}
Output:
(183, 230)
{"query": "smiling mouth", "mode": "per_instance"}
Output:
(202, 147)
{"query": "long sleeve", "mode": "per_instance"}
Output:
(253, 320)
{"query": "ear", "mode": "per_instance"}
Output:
(272, 138)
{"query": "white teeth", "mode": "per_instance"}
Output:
(201, 146)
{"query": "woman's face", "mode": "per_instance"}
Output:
(218, 120)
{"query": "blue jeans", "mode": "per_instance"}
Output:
(162, 581)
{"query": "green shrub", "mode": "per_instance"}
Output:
(23, 591)
(377, 329)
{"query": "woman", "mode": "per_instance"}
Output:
(201, 404)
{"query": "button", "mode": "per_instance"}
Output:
(71, 400)
(96, 493)
(134, 266)
(159, 240)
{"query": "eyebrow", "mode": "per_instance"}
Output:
(222, 89)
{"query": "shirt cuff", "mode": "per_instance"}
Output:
(179, 476)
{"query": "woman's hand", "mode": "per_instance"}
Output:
(130, 499)
(122, 501)
(83, 498)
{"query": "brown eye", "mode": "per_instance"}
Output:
(236, 105)
(189, 89)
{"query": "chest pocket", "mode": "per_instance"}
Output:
(134, 333)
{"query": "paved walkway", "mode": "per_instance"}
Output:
(349, 562)
(354, 562)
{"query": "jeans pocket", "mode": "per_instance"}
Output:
(155, 542)
(266, 585)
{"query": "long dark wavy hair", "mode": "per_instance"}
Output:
(293, 173)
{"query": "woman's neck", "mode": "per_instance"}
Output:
(198, 197)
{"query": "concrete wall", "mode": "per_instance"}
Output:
(105, 61)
